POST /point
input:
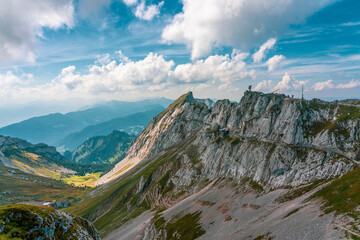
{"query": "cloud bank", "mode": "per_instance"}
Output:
(153, 73)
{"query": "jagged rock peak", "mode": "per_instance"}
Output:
(186, 98)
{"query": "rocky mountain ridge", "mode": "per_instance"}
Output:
(274, 139)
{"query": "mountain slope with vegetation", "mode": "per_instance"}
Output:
(17, 186)
(248, 182)
(43, 160)
(38, 159)
(103, 150)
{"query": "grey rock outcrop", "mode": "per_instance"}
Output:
(32, 222)
(5, 162)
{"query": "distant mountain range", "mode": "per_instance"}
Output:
(50, 129)
(132, 124)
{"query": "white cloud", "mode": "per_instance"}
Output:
(223, 68)
(239, 23)
(350, 24)
(289, 83)
(323, 85)
(284, 84)
(104, 59)
(148, 12)
(329, 84)
(351, 84)
(153, 73)
(8, 79)
(273, 62)
(122, 57)
(130, 2)
(22, 20)
(260, 54)
(264, 86)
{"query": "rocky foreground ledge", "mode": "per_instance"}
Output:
(33, 222)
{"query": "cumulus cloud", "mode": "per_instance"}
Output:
(223, 68)
(351, 84)
(130, 2)
(103, 59)
(323, 85)
(153, 73)
(148, 12)
(287, 84)
(274, 62)
(238, 23)
(260, 54)
(329, 84)
(9, 79)
(264, 86)
(21, 21)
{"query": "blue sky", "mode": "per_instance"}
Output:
(131, 49)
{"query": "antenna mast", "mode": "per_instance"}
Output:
(302, 92)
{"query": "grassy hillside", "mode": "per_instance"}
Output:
(17, 186)
(104, 150)
(343, 194)
(123, 197)
(35, 164)
(45, 161)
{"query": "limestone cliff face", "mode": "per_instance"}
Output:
(273, 139)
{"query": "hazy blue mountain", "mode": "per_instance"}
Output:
(14, 113)
(132, 124)
(50, 128)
